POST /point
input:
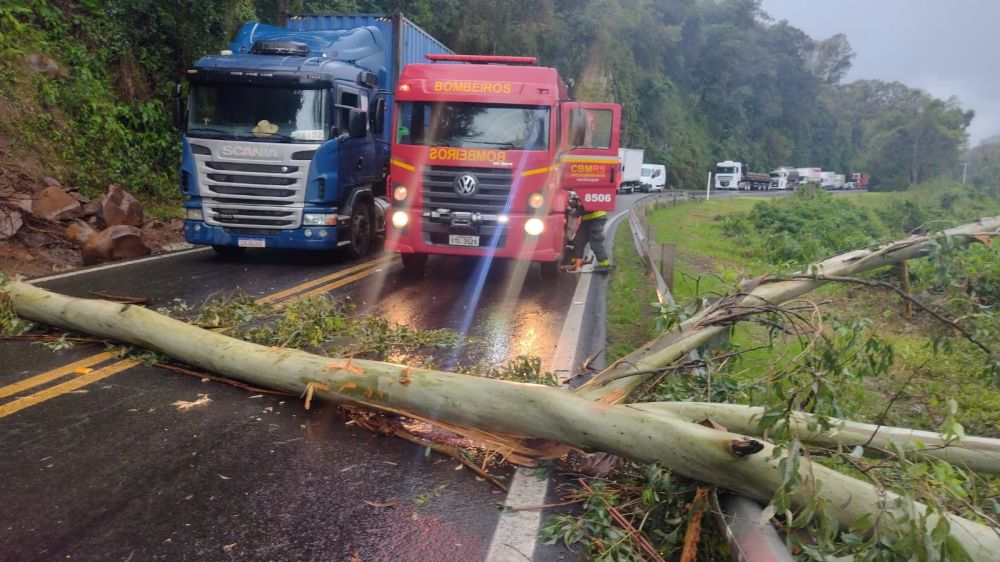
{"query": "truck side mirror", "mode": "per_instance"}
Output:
(378, 117)
(357, 124)
(179, 117)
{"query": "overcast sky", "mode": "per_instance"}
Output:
(946, 47)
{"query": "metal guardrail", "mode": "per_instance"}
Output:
(739, 517)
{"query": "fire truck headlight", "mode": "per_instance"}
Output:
(192, 214)
(399, 194)
(400, 219)
(535, 200)
(503, 219)
(534, 227)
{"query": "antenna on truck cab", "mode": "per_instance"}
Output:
(483, 59)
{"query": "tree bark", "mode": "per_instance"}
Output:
(709, 455)
(979, 454)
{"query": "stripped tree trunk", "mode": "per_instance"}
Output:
(726, 459)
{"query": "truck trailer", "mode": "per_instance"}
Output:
(286, 132)
(630, 179)
(489, 157)
(737, 175)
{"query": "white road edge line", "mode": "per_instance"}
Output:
(516, 533)
(114, 265)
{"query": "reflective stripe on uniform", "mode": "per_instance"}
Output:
(594, 215)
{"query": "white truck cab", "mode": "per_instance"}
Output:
(654, 177)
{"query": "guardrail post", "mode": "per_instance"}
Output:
(668, 260)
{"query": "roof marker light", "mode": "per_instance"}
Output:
(483, 59)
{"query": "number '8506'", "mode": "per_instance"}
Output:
(597, 198)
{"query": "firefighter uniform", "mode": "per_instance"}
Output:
(591, 231)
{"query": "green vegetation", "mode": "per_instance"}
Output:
(631, 299)
(699, 81)
(865, 358)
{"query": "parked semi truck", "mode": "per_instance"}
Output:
(860, 180)
(654, 177)
(286, 143)
(630, 179)
(737, 175)
(784, 178)
(488, 156)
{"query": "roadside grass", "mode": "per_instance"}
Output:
(631, 299)
(920, 383)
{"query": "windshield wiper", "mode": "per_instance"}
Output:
(273, 137)
(506, 144)
(203, 130)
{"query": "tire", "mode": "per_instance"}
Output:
(549, 269)
(414, 264)
(361, 231)
(229, 252)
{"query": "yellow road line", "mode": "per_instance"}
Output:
(68, 386)
(54, 374)
(363, 270)
(331, 286)
(384, 260)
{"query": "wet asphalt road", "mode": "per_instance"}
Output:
(112, 470)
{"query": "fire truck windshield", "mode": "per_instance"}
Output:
(258, 113)
(511, 127)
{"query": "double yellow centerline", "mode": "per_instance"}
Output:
(90, 369)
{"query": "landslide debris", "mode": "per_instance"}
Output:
(46, 227)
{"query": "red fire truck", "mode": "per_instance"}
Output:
(486, 157)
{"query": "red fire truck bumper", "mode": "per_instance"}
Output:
(438, 235)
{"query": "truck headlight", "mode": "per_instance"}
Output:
(192, 214)
(400, 193)
(400, 219)
(534, 227)
(535, 200)
(319, 219)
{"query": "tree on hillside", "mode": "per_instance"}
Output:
(984, 163)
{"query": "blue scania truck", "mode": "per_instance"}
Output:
(286, 133)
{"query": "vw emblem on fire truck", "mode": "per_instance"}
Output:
(466, 185)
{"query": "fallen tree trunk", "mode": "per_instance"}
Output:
(615, 383)
(979, 454)
(727, 459)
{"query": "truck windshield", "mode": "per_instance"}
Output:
(258, 113)
(647, 172)
(511, 127)
(725, 169)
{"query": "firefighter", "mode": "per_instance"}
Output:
(591, 230)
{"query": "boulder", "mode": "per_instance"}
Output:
(53, 204)
(10, 222)
(116, 242)
(50, 182)
(117, 207)
(79, 232)
(23, 202)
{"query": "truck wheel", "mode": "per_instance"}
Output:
(550, 269)
(361, 231)
(229, 252)
(414, 264)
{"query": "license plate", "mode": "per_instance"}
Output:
(250, 242)
(463, 240)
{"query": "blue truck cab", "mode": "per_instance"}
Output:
(286, 133)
